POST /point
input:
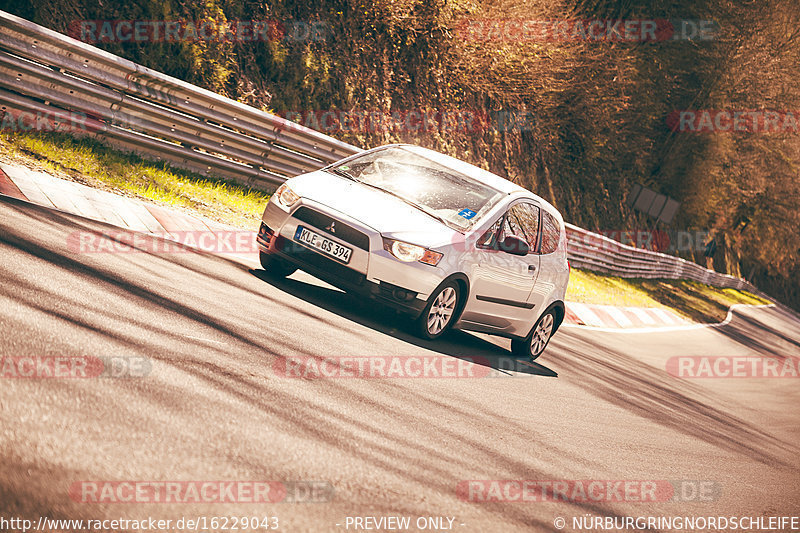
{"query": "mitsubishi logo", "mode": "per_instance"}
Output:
(332, 227)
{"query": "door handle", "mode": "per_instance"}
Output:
(531, 268)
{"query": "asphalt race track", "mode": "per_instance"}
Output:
(210, 335)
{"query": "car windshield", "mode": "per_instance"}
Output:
(454, 198)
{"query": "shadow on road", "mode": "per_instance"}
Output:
(382, 319)
(597, 364)
(760, 336)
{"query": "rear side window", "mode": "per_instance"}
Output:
(551, 233)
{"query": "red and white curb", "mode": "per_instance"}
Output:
(571, 320)
(611, 316)
(70, 197)
(9, 188)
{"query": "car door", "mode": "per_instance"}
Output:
(553, 269)
(502, 282)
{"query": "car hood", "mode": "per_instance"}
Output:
(383, 212)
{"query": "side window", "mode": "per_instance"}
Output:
(522, 220)
(551, 233)
(489, 239)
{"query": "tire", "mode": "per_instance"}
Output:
(536, 341)
(439, 313)
(274, 266)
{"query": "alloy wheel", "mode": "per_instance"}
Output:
(441, 311)
(541, 335)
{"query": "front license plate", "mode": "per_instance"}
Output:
(323, 244)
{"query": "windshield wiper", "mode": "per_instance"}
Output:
(443, 220)
(342, 173)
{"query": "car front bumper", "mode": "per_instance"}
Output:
(371, 271)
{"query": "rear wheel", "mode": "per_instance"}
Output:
(439, 313)
(275, 266)
(536, 342)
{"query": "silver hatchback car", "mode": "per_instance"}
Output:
(447, 242)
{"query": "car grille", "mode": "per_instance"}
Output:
(342, 231)
(326, 267)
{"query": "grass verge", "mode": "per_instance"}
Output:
(690, 299)
(93, 163)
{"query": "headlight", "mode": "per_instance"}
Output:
(411, 252)
(406, 252)
(286, 196)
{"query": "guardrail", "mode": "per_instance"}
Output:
(593, 251)
(135, 108)
(142, 110)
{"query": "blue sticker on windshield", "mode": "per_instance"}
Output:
(467, 213)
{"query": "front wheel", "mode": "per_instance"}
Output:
(275, 266)
(535, 343)
(439, 313)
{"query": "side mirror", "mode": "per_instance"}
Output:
(514, 245)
